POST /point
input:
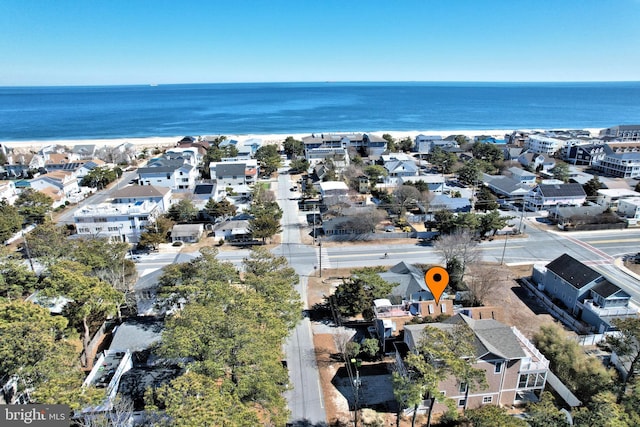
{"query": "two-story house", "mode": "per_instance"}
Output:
(515, 371)
(172, 173)
(64, 182)
(522, 176)
(629, 208)
(547, 196)
(584, 292)
(8, 192)
(117, 221)
(238, 175)
(133, 194)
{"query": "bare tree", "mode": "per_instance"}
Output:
(120, 415)
(459, 245)
(404, 196)
(342, 338)
(482, 280)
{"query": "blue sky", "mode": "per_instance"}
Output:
(80, 42)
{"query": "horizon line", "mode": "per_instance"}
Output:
(153, 84)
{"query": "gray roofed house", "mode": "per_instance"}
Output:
(584, 292)
(136, 193)
(515, 370)
(137, 334)
(547, 196)
(410, 282)
(506, 185)
(572, 271)
(188, 233)
(623, 163)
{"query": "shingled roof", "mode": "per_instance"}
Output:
(572, 271)
(606, 289)
(562, 190)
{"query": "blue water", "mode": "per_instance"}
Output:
(28, 113)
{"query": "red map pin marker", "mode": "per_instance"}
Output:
(437, 280)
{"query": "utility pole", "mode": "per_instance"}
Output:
(26, 248)
(320, 256)
(504, 248)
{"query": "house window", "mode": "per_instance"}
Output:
(487, 399)
(462, 402)
(430, 309)
(497, 368)
(463, 388)
(443, 308)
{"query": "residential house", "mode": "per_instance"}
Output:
(572, 284)
(239, 175)
(576, 217)
(236, 228)
(8, 192)
(610, 198)
(583, 154)
(171, 173)
(536, 161)
(547, 196)
(398, 165)
(453, 204)
(333, 189)
(87, 166)
(543, 144)
(435, 182)
(187, 233)
(117, 221)
(506, 186)
(65, 182)
(371, 145)
(84, 151)
(522, 176)
(629, 208)
(341, 220)
(619, 161)
(423, 144)
(133, 194)
(622, 132)
(515, 371)
(190, 155)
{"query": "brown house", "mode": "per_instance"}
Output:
(515, 370)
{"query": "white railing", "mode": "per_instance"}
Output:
(542, 362)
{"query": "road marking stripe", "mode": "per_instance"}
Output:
(415, 252)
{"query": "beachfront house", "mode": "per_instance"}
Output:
(515, 371)
(423, 144)
(622, 132)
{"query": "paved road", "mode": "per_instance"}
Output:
(305, 398)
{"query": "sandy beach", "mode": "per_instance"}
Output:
(168, 141)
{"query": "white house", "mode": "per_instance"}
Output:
(117, 221)
(435, 182)
(545, 196)
(8, 192)
(543, 144)
(172, 173)
(630, 209)
(610, 197)
(132, 194)
(238, 175)
(65, 182)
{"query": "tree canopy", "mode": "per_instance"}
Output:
(10, 220)
(33, 205)
(355, 295)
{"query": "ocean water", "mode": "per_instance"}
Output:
(41, 113)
